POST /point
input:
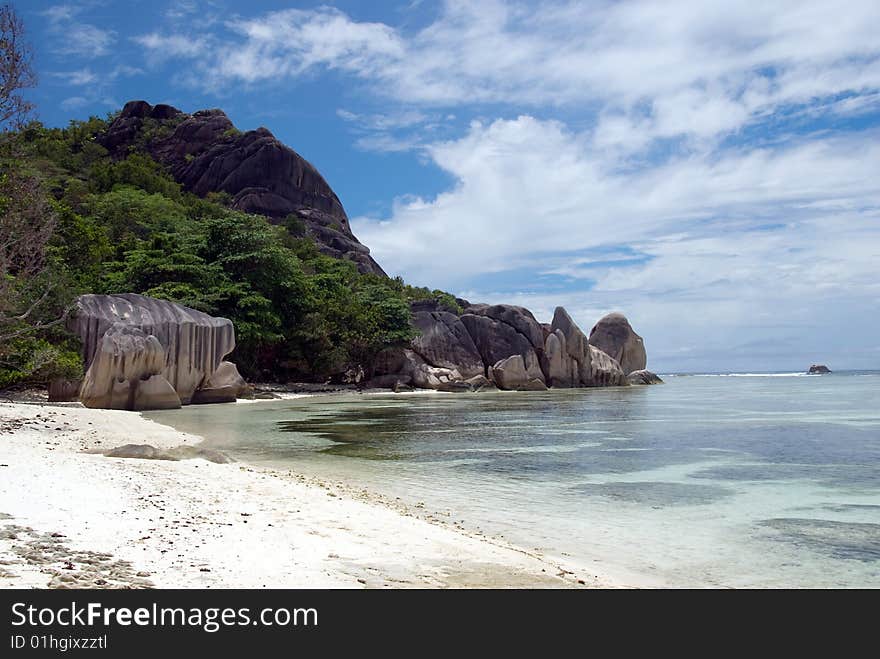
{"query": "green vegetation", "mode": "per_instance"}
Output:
(445, 300)
(127, 226)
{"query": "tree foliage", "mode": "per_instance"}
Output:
(34, 288)
(16, 70)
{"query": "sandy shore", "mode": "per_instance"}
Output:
(69, 518)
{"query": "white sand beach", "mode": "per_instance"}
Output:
(70, 518)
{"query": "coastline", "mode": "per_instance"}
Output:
(72, 518)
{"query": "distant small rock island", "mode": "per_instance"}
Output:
(818, 369)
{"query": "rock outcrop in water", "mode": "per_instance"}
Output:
(644, 376)
(496, 345)
(206, 153)
(818, 369)
(614, 336)
(141, 353)
(582, 365)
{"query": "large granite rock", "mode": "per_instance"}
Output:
(445, 342)
(500, 344)
(519, 318)
(125, 372)
(224, 385)
(511, 373)
(614, 336)
(390, 361)
(480, 383)
(144, 353)
(602, 370)
(497, 339)
(426, 376)
(573, 362)
(564, 327)
(206, 153)
(562, 370)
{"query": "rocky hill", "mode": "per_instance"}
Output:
(141, 352)
(205, 153)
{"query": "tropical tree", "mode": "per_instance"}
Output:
(16, 70)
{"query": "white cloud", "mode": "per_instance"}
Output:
(281, 44)
(80, 77)
(86, 77)
(60, 13)
(664, 69)
(74, 103)
(384, 121)
(527, 186)
(394, 131)
(172, 45)
(74, 37)
(750, 300)
(736, 243)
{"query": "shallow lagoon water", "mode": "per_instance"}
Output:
(746, 481)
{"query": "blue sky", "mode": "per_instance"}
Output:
(708, 168)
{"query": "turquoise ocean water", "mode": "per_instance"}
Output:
(743, 480)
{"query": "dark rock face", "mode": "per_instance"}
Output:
(818, 369)
(614, 336)
(444, 341)
(205, 153)
(142, 353)
(518, 318)
(643, 376)
(497, 336)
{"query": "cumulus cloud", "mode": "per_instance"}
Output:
(678, 67)
(172, 45)
(527, 186)
(741, 243)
